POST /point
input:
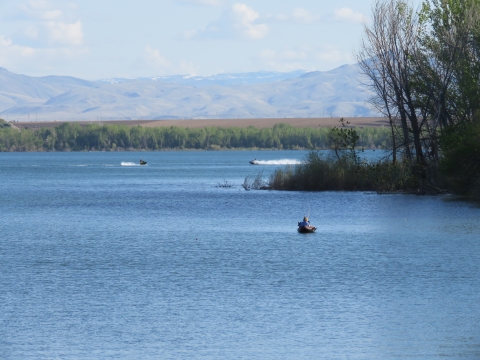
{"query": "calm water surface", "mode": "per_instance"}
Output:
(100, 260)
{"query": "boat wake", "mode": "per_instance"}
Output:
(279, 162)
(129, 164)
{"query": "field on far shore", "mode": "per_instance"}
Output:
(226, 123)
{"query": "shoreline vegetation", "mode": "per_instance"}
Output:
(344, 169)
(423, 70)
(326, 172)
(74, 137)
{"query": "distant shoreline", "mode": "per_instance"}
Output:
(260, 123)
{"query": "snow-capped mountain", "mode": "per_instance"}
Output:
(220, 79)
(262, 94)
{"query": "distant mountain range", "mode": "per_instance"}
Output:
(262, 94)
(220, 79)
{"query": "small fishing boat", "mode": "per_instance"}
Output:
(143, 162)
(306, 229)
(254, 162)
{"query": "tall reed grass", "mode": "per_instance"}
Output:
(346, 172)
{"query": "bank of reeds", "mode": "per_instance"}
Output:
(348, 173)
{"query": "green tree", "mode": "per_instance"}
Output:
(461, 158)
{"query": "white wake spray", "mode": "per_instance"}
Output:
(279, 162)
(129, 164)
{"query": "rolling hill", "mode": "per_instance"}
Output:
(261, 95)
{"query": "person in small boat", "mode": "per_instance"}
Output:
(305, 222)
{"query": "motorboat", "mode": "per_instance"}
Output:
(143, 162)
(254, 162)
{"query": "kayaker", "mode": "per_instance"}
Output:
(305, 227)
(305, 222)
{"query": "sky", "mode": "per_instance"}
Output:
(95, 39)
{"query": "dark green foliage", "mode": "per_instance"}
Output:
(4, 124)
(461, 158)
(14, 140)
(344, 169)
(73, 137)
(424, 70)
(385, 176)
(321, 173)
(344, 141)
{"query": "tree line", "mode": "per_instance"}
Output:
(73, 137)
(423, 67)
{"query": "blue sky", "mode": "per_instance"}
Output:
(95, 39)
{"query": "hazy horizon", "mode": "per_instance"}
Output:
(185, 75)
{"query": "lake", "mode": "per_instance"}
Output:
(103, 259)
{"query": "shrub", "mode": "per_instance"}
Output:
(328, 172)
(460, 161)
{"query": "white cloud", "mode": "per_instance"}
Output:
(48, 26)
(16, 57)
(348, 14)
(238, 21)
(47, 37)
(155, 59)
(67, 34)
(40, 10)
(244, 21)
(5, 42)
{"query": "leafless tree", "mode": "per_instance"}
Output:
(386, 58)
(423, 68)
